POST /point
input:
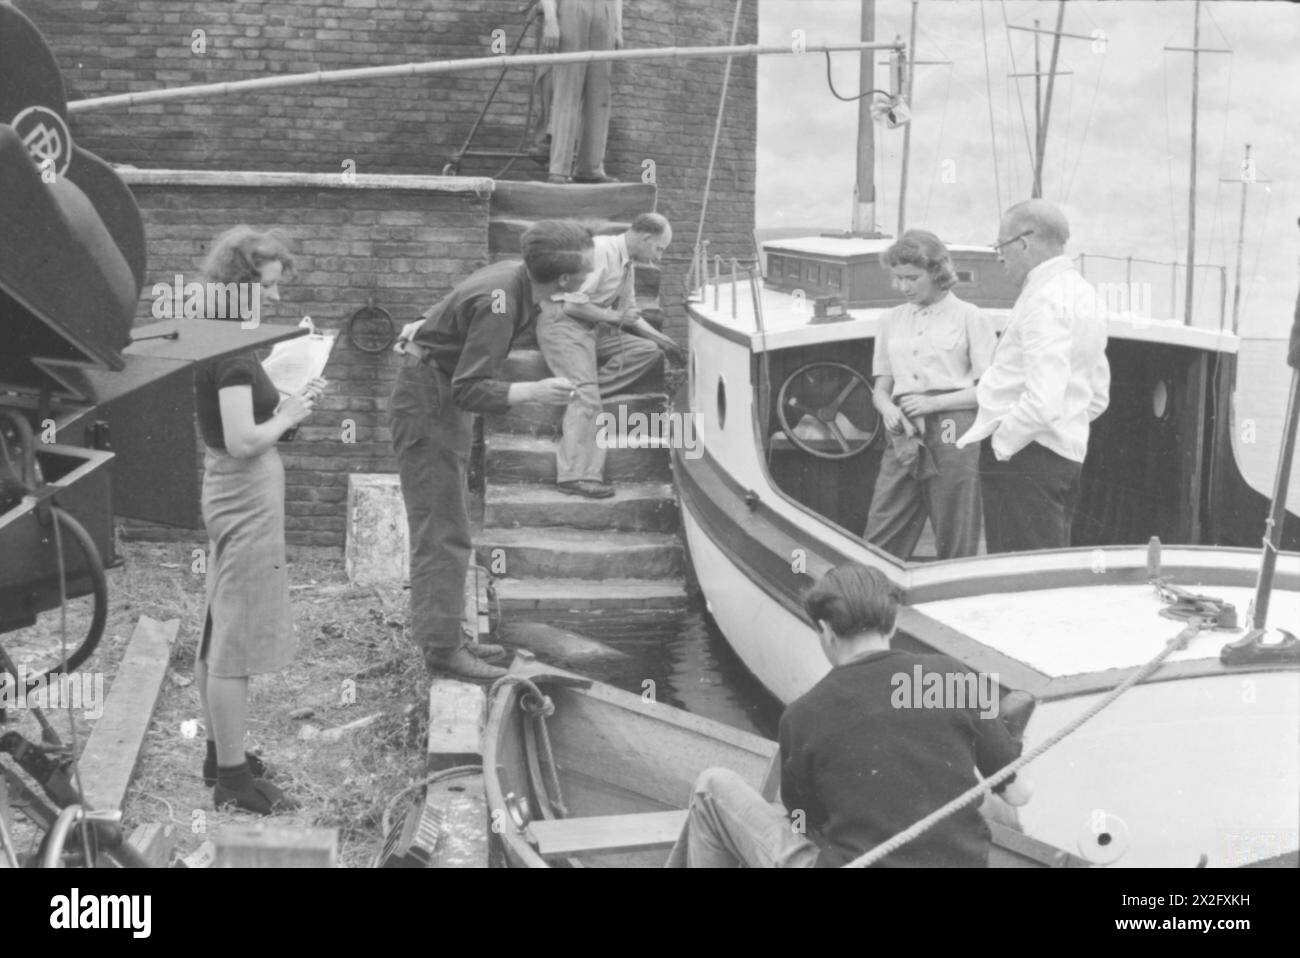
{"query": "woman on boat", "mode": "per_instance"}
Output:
(248, 627)
(929, 354)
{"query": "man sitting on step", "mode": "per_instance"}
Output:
(588, 343)
(860, 760)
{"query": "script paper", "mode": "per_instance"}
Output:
(296, 362)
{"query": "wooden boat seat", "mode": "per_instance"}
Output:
(643, 831)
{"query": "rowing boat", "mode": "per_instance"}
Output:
(603, 780)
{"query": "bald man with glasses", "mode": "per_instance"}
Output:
(1048, 381)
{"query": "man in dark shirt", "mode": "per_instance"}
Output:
(451, 369)
(864, 754)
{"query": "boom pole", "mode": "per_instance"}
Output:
(427, 67)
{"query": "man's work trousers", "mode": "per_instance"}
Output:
(432, 438)
(1029, 500)
(580, 101)
(732, 826)
(600, 361)
(901, 502)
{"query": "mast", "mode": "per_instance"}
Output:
(1246, 178)
(864, 188)
(1047, 103)
(1191, 193)
(1195, 50)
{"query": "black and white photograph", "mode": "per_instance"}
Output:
(651, 434)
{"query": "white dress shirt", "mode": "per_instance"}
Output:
(1049, 378)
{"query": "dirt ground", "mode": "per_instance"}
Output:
(353, 662)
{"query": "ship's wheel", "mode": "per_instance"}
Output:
(825, 409)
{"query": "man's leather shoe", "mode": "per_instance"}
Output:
(486, 651)
(462, 664)
(586, 487)
(595, 178)
(558, 178)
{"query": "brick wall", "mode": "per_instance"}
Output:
(402, 246)
(663, 110)
(399, 241)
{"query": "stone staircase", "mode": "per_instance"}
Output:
(551, 552)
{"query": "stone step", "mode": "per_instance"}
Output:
(536, 419)
(581, 595)
(516, 458)
(558, 552)
(635, 507)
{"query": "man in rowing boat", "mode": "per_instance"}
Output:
(1049, 380)
(586, 343)
(452, 368)
(860, 761)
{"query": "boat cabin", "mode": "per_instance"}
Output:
(1160, 460)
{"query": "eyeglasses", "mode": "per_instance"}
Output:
(997, 247)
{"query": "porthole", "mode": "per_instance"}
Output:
(1160, 400)
(722, 402)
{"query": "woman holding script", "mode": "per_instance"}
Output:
(248, 627)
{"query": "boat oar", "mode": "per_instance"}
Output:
(1254, 646)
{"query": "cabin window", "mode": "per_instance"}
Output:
(834, 277)
(722, 402)
(966, 277)
(775, 264)
(792, 268)
(814, 274)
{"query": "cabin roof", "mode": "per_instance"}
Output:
(788, 322)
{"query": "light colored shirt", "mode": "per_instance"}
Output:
(1049, 378)
(941, 347)
(610, 273)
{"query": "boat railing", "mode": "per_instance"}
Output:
(698, 279)
(1128, 296)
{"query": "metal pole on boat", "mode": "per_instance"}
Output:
(1195, 50)
(734, 268)
(423, 68)
(1277, 511)
(1247, 177)
(1047, 102)
(864, 190)
(717, 271)
(907, 131)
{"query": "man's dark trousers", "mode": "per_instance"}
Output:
(432, 438)
(1028, 500)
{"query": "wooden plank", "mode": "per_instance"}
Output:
(275, 846)
(607, 833)
(456, 712)
(517, 199)
(109, 758)
(154, 842)
(459, 807)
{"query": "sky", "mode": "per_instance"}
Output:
(1118, 150)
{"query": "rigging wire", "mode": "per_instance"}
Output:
(1014, 69)
(1092, 102)
(1169, 165)
(993, 133)
(939, 146)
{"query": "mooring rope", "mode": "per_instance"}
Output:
(1175, 644)
(717, 134)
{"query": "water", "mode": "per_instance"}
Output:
(681, 659)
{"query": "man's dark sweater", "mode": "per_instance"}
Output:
(862, 770)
